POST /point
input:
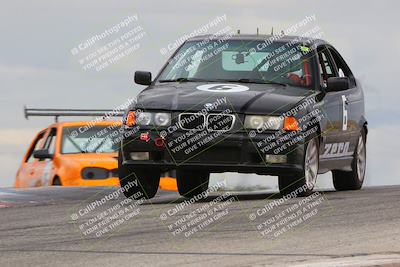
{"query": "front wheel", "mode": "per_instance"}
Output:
(138, 183)
(56, 181)
(192, 183)
(353, 180)
(303, 184)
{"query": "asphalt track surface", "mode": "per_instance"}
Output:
(46, 227)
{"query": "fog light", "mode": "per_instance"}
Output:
(276, 158)
(140, 155)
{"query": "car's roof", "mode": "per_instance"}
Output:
(263, 37)
(84, 123)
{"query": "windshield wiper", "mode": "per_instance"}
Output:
(260, 81)
(182, 79)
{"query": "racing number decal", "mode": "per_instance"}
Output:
(335, 150)
(223, 88)
(344, 104)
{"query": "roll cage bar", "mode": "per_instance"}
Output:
(58, 112)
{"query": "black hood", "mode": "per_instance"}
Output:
(257, 99)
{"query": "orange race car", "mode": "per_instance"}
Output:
(81, 153)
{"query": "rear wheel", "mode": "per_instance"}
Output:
(303, 184)
(147, 180)
(191, 183)
(353, 180)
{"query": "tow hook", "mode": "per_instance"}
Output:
(159, 142)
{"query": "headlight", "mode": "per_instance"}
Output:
(148, 118)
(162, 119)
(263, 122)
(143, 118)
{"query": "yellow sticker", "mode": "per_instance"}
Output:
(304, 49)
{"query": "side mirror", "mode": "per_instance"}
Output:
(335, 84)
(42, 154)
(143, 77)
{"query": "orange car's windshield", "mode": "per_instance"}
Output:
(96, 139)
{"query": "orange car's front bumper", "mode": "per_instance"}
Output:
(166, 183)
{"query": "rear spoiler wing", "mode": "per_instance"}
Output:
(58, 112)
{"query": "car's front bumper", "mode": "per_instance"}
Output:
(231, 152)
(113, 181)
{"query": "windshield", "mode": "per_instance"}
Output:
(241, 61)
(96, 139)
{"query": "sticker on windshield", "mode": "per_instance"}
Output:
(304, 49)
(223, 88)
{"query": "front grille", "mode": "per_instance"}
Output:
(220, 122)
(213, 122)
(95, 173)
(192, 121)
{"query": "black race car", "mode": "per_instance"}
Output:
(273, 105)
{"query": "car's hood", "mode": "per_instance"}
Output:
(241, 97)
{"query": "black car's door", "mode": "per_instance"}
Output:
(343, 110)
(352, 104)
(334, 120)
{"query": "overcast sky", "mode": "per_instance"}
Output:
(37, 68)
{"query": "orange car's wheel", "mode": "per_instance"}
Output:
(138, 183)
(56, 181)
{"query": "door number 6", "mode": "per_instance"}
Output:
(344, 106)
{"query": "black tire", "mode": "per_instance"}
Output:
(148, 180)
(191, 183)
(56, 181)
(354, 179)
(297, 184)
